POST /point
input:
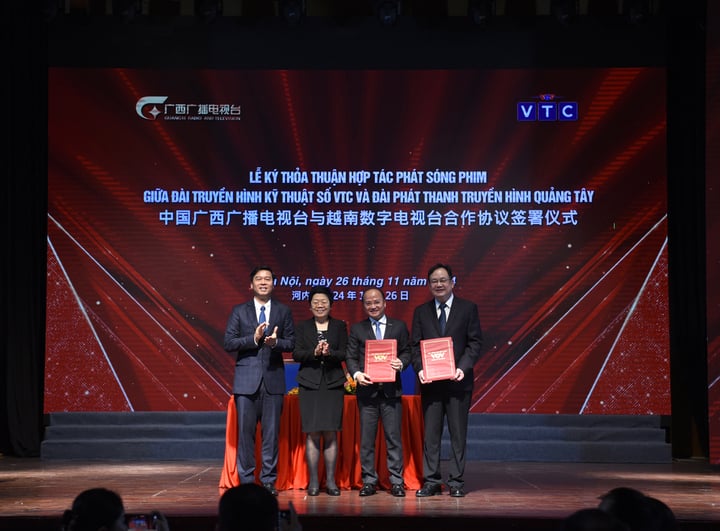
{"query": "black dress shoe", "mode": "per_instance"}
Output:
(368, 489)
(398, 491)
(333, 491)
(313, 491)
(457, 492)
(271, 488)
(429, 489)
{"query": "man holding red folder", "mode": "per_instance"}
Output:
(375, 345)
(445, 316)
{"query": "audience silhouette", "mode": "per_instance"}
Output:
(250, 507)
(99, 509)
(638, 511)
(592, 519)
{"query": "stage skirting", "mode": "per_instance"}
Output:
(292, 468)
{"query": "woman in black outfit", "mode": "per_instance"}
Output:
(320, 348)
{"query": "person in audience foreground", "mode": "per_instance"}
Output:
(592, 519)
(638, 511)
(100, 509)
(250, 507)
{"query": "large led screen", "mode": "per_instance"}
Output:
(545, 190)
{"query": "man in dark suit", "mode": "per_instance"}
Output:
(379, 401)
(257, 333)
(446, 316)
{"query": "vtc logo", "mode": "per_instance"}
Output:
(547, 110)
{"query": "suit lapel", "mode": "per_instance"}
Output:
(250, 315)
(370, 329)
(455, 310)
(388, 329)
(273, 319)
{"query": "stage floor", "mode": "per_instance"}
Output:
(516, 495)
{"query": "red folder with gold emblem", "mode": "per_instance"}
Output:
(438, 359)
(378, 355)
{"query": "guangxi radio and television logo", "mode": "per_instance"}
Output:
(547, 107)
(160, 108)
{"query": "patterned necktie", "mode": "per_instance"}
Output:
(261, 320)
(442, 318)
(378, 332)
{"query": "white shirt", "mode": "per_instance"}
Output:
(258, 305)
(448, 303)
(383, 324)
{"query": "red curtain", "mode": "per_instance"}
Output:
(292, 469)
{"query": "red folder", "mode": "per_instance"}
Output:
(378, 355)
(438, 359)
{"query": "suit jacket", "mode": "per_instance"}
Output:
(312, 367)
(361, 332)
(463, 326)
(253, 364)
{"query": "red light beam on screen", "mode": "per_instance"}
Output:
(76, 377)
(292, 118)
(137, 330)
(615, 84)
(631, 340)
(567, 365)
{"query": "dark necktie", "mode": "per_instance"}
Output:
(261, 319)
(378, 332)
(442, 318)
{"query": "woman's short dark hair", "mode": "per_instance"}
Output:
(320, 290)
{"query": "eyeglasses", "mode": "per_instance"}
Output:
(319, 304)
(439, 280)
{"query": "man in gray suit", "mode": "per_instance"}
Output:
(257, 333)
(379, 401)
